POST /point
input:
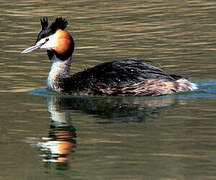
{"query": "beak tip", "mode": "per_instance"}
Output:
(34, 47)
(23, 52)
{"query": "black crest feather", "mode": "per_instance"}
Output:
(59, 23)
(47, 30)
(44, 23)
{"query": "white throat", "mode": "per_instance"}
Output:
(59, 69)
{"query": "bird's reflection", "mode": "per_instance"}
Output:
(115, 109)
(57, 148)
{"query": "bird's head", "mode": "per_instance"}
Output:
(54, 38)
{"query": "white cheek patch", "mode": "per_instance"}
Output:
(48, 42)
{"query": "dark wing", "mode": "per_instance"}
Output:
(113, 74)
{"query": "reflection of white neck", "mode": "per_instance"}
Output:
(58, 116)
(59, 69)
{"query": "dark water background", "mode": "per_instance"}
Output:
(45, 136)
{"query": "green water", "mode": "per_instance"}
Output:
(46, 136)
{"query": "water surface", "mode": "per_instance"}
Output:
(47, 136)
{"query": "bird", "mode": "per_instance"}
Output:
(125, 77)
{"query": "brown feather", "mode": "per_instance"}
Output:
(64, 41)
(150, 87)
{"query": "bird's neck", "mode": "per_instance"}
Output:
(59, 69)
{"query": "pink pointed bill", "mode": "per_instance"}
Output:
(31, 48)
(35, 46)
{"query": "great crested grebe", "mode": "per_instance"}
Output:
(119, 77)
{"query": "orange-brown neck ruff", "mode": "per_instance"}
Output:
(64, 46)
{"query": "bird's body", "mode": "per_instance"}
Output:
(119, 77)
